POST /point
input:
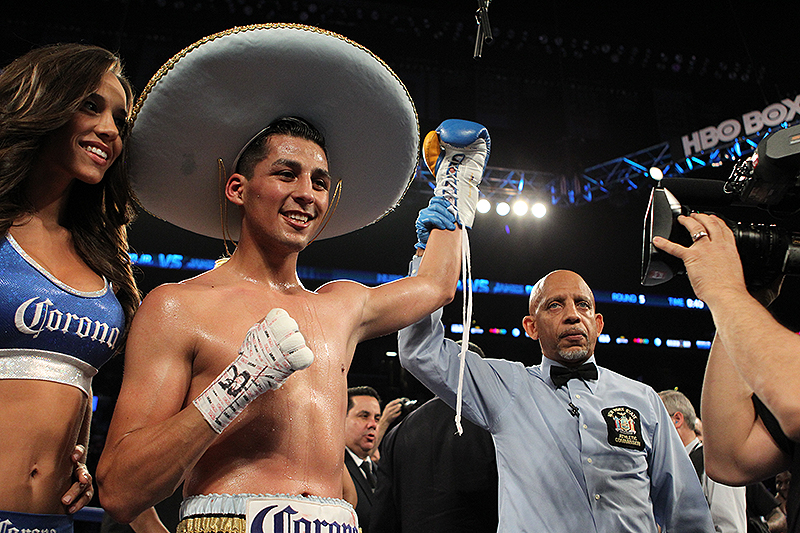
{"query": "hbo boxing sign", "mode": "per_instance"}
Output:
(754, 121)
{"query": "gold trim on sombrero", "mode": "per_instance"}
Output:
(238, 29)
(361, 106)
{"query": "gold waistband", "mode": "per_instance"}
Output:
(212, 524)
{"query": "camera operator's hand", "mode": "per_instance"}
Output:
(712, 261)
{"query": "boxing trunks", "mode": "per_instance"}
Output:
(256, 513)
(48, 330)
(34, 523)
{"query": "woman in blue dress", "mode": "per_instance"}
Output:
(67, 292)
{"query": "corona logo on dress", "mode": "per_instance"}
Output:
(47, 317)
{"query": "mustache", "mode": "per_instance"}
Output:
(574, 331)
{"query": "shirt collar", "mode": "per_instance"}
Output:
(692, 445)
(358, 460)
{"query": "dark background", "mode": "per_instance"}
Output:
(563, 86)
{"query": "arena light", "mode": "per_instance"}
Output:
(656, 173)
(520, 207)
(502, 209)
(539, 210)
(484, 206)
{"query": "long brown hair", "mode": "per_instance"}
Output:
(39, 93)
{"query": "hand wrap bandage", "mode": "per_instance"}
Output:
(457, 153)
(272, 350)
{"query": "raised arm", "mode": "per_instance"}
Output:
(757, 345)
(750, 350)
(738, 448)
(456, 153)
(761, 349)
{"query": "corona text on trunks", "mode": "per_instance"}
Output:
(286, 520)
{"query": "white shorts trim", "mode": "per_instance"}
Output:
(236, 504)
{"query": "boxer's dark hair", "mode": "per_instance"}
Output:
(258, 147)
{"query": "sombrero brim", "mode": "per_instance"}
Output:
(209, 100)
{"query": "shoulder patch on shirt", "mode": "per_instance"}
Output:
(624, 427)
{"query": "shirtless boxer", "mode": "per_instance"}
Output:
(281, 436)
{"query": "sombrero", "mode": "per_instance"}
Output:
(210, 99)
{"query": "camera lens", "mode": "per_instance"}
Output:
(767, 251)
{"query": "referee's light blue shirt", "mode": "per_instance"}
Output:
(618, 466)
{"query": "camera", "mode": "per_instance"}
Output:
(406, 406)
(768, 180)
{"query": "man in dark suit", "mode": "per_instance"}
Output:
(431, 480)
(361, 434)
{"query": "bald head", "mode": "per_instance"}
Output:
(563, 318)
(555, 276)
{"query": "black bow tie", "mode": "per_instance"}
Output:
(560, 375)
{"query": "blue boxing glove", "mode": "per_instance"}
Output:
(436, 216)
(457, 153)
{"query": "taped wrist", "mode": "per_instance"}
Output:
(273, 350)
